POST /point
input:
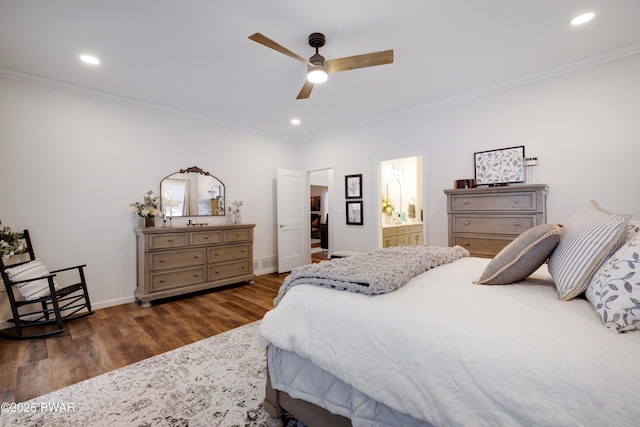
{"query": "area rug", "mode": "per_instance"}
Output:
(218, 381)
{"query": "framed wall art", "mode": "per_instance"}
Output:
(315, 203)
(500, 167)
(353, 186)
(354, 212)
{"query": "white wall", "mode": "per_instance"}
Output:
(583, 126)
(72, 164)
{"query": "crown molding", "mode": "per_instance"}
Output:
(609, 56)
(105, 96)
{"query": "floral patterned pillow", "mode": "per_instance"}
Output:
(615, 288)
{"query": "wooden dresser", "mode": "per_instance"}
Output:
(179, 260)
(402, 235)
(485, 219)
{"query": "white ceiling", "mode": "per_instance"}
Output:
(193, 57)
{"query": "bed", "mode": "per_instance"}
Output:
(443, 349)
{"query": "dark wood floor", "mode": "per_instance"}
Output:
(117, 336)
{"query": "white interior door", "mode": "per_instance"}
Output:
(293, 216)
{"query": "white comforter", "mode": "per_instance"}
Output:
(452, 353)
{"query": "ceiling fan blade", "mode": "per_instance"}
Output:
(360, 61)
(306, 90)
(266, 41)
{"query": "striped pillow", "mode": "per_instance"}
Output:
(591, 235)
(36, 288)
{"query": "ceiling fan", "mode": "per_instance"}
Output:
(318, 67)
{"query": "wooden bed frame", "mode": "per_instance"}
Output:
(276, 403)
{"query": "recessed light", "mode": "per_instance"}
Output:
(295, 121)
(583, 18)
(89, 59)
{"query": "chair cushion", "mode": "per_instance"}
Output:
(33, 289)
(591, 236)
(523, 256)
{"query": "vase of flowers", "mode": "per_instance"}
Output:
(11, 243)
(234, 212)
(147, 209)
(387, 209)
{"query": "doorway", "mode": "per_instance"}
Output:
(320, 206)
(401, 198)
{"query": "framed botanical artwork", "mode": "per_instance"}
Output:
(354, 212)
(353, 186)
(315, 203)
(500, 167)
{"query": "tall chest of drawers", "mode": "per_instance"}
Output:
(179, 260)
(484, 220)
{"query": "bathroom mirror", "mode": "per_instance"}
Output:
(192, 192)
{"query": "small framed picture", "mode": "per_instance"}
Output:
(315, 203)
(353, 186)
(354, 212)
(500, 167)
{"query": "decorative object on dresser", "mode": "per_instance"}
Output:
(176, 261)
(402, 235)
(147, 209)
(485, 219)
(192, 192)
(499, 167)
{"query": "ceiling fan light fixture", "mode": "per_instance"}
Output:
(317, 74)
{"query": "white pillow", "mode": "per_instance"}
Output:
(590, 236)
(36, 288)
(615, 288)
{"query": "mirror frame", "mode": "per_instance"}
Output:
(196, 169)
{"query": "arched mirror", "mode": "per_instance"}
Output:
(192, 192)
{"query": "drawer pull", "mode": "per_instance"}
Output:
(215, 254)
(161, 259)
(161, 281)
(517, 224)
(516, 201)
(466, 202)
(466, 223)
(195, 257)
(237, 234)
(169, 240)
(206, 237)
(466, 243)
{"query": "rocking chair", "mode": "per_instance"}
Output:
(38, 303)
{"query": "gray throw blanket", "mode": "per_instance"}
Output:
(372, 273)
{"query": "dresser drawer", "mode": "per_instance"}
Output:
(166, 260)
(168, 241)
(491, 202)
(404, 229)
(240, 235)
(416, 228)
(482, 247)
(227, 253)
(206, 237)
(505, 224)
(176, 279)
(389, 231)
(223, 271)
(404, 240)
